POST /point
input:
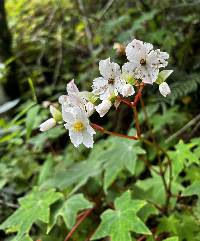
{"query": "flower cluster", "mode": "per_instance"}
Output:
(111, 88)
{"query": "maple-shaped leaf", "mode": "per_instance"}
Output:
(118, 223)
(193, 189)
(68, 210)
(35, 206)
(120, 154)
(183, 156)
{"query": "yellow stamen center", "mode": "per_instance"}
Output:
(78, 126)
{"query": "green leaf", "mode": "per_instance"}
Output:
(30, 120)
(179, 224)
(152, 189)
(183, 156)
(118, 223)
(46, 170)
(76, 175)
(171, 239)
(39, 140)
(162, 76)
(193, 189)
(35, 206)
(68, 210)
(120, 154)
(160, 120)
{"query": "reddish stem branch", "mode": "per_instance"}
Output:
(127, 102)
(101, 129)
(80, 220)
(138, 95)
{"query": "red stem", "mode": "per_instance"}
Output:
(137, 97)
(127, 102)
(80, 220)
(101, 129)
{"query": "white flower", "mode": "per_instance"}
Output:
(104, 107)
(48, 124)
(144, 61)
(164, 89)
(89, 108)
(110, 83)
(127, 90)
(78, 125)
(75, 98)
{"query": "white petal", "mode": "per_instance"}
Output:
(130, 67)
(63, 99)
(72, 88)
(119, 83)
(109, 70)
(116, 71)
(76, 137)
(104, 107)
(76, 100)
(157, 59)
(164, 89)
(67, 114)
(110, 91)
(135, 51)
(48, 124)
(148, 47)
(88, 140)
(90, 130)
(81, 115)
(99, 85)
(128, 90)
(147, 74)
(89, 108)
(105, 68)
(68, 125)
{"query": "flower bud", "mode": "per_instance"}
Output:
(127, 90)
(164, 89)
(56, 114)
(48, 124)
(104, 107)
(120, 49)
(89, 108)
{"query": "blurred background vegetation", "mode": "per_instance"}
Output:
(43, 45)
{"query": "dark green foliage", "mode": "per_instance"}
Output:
(47, 185)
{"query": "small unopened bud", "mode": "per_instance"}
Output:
(120, 49)
(48, 124)
(128, 90)
(56, 114)
(89, 108)
(104, 107)
(164, 89)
